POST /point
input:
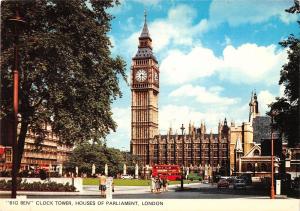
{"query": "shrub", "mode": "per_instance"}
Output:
(43, 174)
(194, 176)
(38, 186)
(5, 174)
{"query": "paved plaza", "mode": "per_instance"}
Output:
(191, 191)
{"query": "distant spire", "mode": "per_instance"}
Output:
(145, 32)
(251, 99)
(238, 145)
(255, 96)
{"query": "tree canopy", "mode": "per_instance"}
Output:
(287, 108)
(86, 154)
(68, 77)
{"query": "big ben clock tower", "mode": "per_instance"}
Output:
(144, 97)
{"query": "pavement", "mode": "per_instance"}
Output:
(191, 191)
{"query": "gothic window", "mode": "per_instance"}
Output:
(263, 167)
(296, 156)
(155, 150)
(249, 167)
(256, 152)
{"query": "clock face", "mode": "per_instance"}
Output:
(141, 75)
(156, 76)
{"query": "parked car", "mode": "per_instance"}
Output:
(246, 177)
(217, 178)
(126, 176)
(296, 183)
(231, 179)
(239, 183)
(223, 183)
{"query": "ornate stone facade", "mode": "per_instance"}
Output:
(144, 93)
(49, 153)
(193, 149)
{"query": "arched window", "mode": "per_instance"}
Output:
(263, 167)
(256, 152)
(249, 167)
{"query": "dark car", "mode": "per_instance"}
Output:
(247, 178)
(239, 183)
(296, 183)
(223, 183)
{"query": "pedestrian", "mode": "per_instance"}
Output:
(102, 185)
(152, 184)
(113, 186)
(164, 183)
(157, 185)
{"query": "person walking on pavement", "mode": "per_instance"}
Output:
(157, 185)
(152, 184)
(102, 185)
(164, 183)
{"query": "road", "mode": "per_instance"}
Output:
(191, 191)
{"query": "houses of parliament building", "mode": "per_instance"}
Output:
(193, 148)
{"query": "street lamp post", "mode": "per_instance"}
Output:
(182, 168)
(16, 23)
(272, 157)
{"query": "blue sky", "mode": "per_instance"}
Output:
(211, 54)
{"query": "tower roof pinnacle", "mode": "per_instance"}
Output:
(145, 32)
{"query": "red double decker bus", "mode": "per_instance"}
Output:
(171, 172)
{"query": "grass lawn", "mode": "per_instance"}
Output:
(127, 182)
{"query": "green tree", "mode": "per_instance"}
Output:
(68, 77)
(86, 154)
(286, 108)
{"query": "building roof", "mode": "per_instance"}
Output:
(145, 32)
(251, 152)
(187, 136)
(144, 53)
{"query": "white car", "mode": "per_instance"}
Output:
(126, 176)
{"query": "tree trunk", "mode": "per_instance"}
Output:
(21, 142)
(17, 159)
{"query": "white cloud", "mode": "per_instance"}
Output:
(121, 138)
(211, 117)
(148, 2)
(245, 11)
(250, 63)
(178, 67)
(264, 98)
(122, 7)
(176, 29)
(247, 64)
(281, 90)
(227, 40)
(113, 43)
(184, 115)
(204, 96)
